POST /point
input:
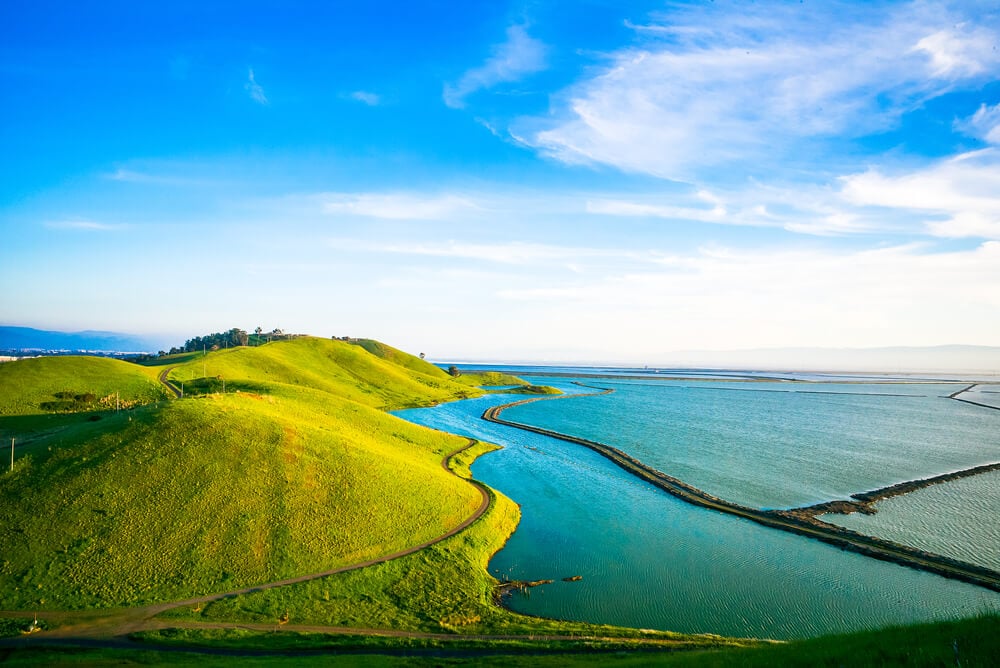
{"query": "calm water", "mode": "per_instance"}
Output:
(958, 519)
(780, 445)
(649, 560)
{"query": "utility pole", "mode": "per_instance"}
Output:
(11, 453)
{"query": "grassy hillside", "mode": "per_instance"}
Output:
(489, 379)
(330, 366)
(294, 470)
(399, 357)
(73, 384)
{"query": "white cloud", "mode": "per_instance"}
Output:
(746, 89)
(984, 124)
(804, 209)
(619, 207)
(963, 193)
(512, 60)
(83, 225)
(960, 51)
(255, 90)
(520, 253)
(398, 206)
(365, 97)
(723, 298)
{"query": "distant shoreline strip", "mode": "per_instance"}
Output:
(807, 526)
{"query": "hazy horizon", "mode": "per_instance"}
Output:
(956, 358)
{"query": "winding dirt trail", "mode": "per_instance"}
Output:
(167, 383)
(808, 526)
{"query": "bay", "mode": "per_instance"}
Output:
(649, 560)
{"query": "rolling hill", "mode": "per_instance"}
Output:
(295, 469)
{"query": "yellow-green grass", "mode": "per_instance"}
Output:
(73, 384)
(204, 495)
(171, 360)
(399, 357)
(332, 366)
(216, 492)
(489, 379)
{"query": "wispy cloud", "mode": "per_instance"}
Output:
(366, 97)
(984, 124)
(165, 175)
(785, 297)
(751, 88)
(82, 225)
(514, 252)
(398, 206)
(963, 193)
(512, 60)
(254, 89)
(810, 210)
(959, 51)
(619, 207)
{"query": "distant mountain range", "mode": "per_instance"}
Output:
(28, 339)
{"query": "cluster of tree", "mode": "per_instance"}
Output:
(229, 339)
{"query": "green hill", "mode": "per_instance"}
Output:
(330, 366)
(72, 384)
(399, 357)
(294, 470)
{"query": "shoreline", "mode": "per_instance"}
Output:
(808, 526)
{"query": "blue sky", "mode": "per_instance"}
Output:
(555, 181)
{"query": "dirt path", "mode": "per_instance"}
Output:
(115, 625)
(168, 384)
(776, 519)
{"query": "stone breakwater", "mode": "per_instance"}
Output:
(864, 502)
(793, 521)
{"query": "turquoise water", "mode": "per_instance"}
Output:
(649, 560)
(988, 394)
(781, 445)
(959, 519)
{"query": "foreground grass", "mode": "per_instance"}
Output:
(971, 643)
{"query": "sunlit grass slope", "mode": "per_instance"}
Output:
(73, 384)
(332, 366)
(489, 379)
(212, 492)
(400, 358)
